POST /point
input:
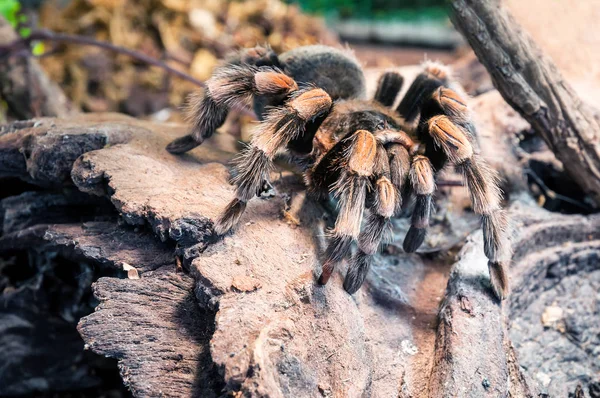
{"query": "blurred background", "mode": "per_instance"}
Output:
(192, 35)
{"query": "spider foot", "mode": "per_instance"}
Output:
(414, 239)
(357, 272)
(499, 279)
(230, 217)
(182, 145)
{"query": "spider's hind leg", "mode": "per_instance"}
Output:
(233, 83)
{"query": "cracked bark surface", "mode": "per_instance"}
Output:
(249, 317)
(155, 328)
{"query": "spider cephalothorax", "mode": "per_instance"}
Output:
(368, 155)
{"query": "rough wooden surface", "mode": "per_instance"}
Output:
(40, 347)
(553, 313)
(156, 329)
(249, 317)
(41, 304)
(377, 355)
(530, 82)
(469, 316)
(68, 205)
(330, 324)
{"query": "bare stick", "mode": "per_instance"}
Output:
(43, 35)
(47, 35)
(530, 82)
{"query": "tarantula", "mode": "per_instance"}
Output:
(311, 105)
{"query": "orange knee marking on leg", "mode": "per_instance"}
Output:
(363, 151)
(311, 103)
(386, 200)
(437, 70)
(451, 138)
(450, 100)
(421, 175)
(274, 83)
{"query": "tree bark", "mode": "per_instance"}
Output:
(530, 82)
(247, 316)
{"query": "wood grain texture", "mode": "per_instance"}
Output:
(248, 318)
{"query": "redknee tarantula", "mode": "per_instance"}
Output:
(370, 157)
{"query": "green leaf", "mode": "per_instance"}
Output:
(38, 48)
(25, 32)
(9, 9)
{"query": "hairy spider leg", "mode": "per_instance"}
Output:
(381, 202)
(388, 87)
(345, 172)
(446, 121)
(399, 160)
(231, 84)
(433, 76)
(421, 177)
(280, 126)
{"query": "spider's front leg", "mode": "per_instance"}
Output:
(422, 181)
(345, 172)
(281, 125)
(231, 84)
(383, 200)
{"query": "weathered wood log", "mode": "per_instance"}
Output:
(45, 155)
(107, 249)
(68, 206)
(274, 330)
(554, 324)
(154, 197)
(530, 82)
(155, 328)
(468, 316)
(41, 350)
(103, 243)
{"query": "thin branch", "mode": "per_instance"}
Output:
(24, 44)
(46, 35)
(531, 83)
